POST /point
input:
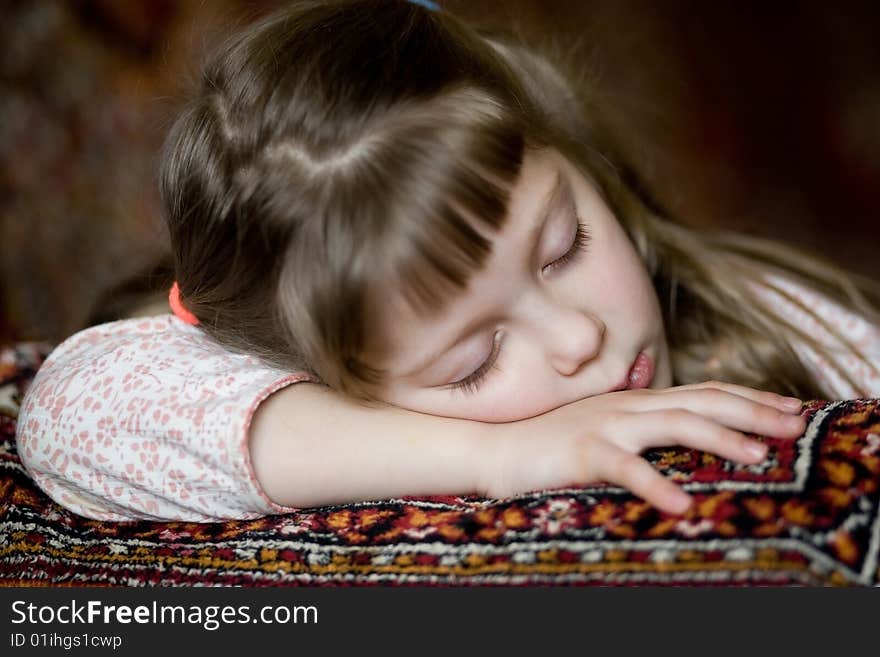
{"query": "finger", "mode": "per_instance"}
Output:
(729, 409)
(634, 473)
(781, 402)
(682, 427)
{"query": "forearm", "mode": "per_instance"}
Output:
(311, 446)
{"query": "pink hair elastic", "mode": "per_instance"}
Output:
(177, 307)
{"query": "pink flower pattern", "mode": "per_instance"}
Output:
(147, 418)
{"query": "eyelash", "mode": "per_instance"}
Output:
(471, 383)
(578, 247)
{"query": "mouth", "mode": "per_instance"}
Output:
(640, 374)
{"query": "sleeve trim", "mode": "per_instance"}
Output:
(244, 446)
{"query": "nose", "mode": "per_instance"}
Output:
(572, 337)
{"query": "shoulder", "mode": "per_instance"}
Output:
(144, 357)
(831, 324)
(161, 341)
(147, 332)
(817, 313)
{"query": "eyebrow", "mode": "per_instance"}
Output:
(551, 200)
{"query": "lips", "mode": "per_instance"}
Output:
(641, 373)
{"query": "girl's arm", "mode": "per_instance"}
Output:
(310, 446)
(150, 419)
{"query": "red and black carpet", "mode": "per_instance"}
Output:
(808, 515)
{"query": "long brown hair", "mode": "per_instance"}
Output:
(337, 150)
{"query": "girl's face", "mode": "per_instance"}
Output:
(561, 312)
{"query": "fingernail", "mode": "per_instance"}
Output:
(682, 502)
(794, 421)
(792, 402)
(757, 450)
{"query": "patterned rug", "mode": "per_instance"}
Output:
(808, 515)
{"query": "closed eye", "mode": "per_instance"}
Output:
(471, 383)
(578, 247)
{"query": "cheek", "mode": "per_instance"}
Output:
(618, 277)
(505, 404)
(529, 399)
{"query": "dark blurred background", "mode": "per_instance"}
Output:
(764, 117)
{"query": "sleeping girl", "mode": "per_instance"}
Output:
(410, 260)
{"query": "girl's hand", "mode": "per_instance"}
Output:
(600, 438)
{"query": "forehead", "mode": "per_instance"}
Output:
(400, 331)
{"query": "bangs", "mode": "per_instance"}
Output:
(456, 202)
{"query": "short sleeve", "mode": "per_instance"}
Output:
(854, 328)
(147, 418)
